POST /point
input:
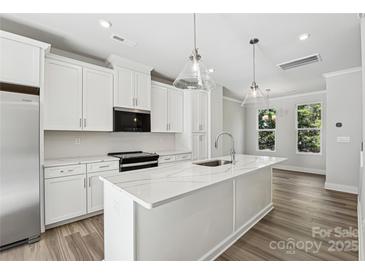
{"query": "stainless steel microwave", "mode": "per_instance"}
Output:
(131, 120)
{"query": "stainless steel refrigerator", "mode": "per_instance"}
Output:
(19, 165)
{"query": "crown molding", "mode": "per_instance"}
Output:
(232, 99)
(117, 61)
(341, 72)
(25, 40)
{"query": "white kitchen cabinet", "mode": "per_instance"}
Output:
(175, 102)
(199, 111)
(21, 59)
(63, 96)
(97, 100)
(159, 120)
(166, 109)
(200, 146)
(65, 198)
(133, 89)
(78, 96)
(95, 193)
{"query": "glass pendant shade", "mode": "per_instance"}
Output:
(256, 96)
(195, 75)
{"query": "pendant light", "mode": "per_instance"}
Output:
(255, 95)
(195, 75)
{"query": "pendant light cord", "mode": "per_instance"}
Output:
(253, 61)
(194, 31)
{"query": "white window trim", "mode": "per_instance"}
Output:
(258, 130)
(297, 129)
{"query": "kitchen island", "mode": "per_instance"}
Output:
(185, 211)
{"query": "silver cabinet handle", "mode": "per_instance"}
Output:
(84, 182)
(90, 182)
(84, 122)
(80, 122)
(167, 126)
(103, 166)
(136, 101)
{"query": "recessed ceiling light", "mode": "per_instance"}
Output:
(211, 70)
(105, 24)
(304, 36)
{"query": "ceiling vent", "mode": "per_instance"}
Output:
(300, 62)
(125, 41)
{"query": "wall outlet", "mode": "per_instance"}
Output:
(77, 141)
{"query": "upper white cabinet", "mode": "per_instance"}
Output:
(133, 89)
(78, 96)
(199, 111)
(97, 100)
(167, 109)
(132, 84)
(63, 96)
(21, 59)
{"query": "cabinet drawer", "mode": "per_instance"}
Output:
(53, 172)
(102, 166)
(183, 157)
(166, 159)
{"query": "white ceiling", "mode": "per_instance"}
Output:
(164, 41)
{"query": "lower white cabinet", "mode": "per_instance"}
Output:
(200, 146)
(95, 190)
(75, 190)
(65, 198)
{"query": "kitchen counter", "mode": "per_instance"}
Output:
(184, 211)
(173, 152)
(78, 160)
(156, 186)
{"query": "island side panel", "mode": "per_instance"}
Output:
(119, 234)
(253, 197)
(188, 228)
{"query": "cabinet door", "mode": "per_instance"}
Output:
(159, 109)
(143, 91)
(63, 96)
(125, 88)
(95, 190)
(19, 63)
(65, 198)
(195, 147)
(203, 147)
(175, 108)
(203, 111)
(97, 100)
(195, 111)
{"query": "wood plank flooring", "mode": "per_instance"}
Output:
(300, 202)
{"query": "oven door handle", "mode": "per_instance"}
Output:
(138, 164)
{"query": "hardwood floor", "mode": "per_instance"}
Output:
(301, 203)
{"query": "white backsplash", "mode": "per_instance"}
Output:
(64, 144)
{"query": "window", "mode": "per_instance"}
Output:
(266, 125)
(309, 125)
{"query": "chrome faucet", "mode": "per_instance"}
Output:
(233, 152)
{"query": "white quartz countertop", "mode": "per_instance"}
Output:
(78, 160)
(172, 152)
(153, 187)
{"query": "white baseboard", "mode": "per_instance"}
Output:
(230, 240)
(301, 169)
(341, 188)
(360, 227)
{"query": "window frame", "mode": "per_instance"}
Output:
(297, 130)
(258, 130)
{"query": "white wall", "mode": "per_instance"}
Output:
(233, 122)
(286, 132)
(343, 105)
(59, 144)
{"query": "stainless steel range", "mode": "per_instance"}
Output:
(132, 160)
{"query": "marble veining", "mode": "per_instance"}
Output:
(155, 186)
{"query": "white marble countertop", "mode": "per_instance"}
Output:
(173, 152)
(78, 160)
(153, 187)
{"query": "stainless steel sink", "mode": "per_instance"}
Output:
(214, 163)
